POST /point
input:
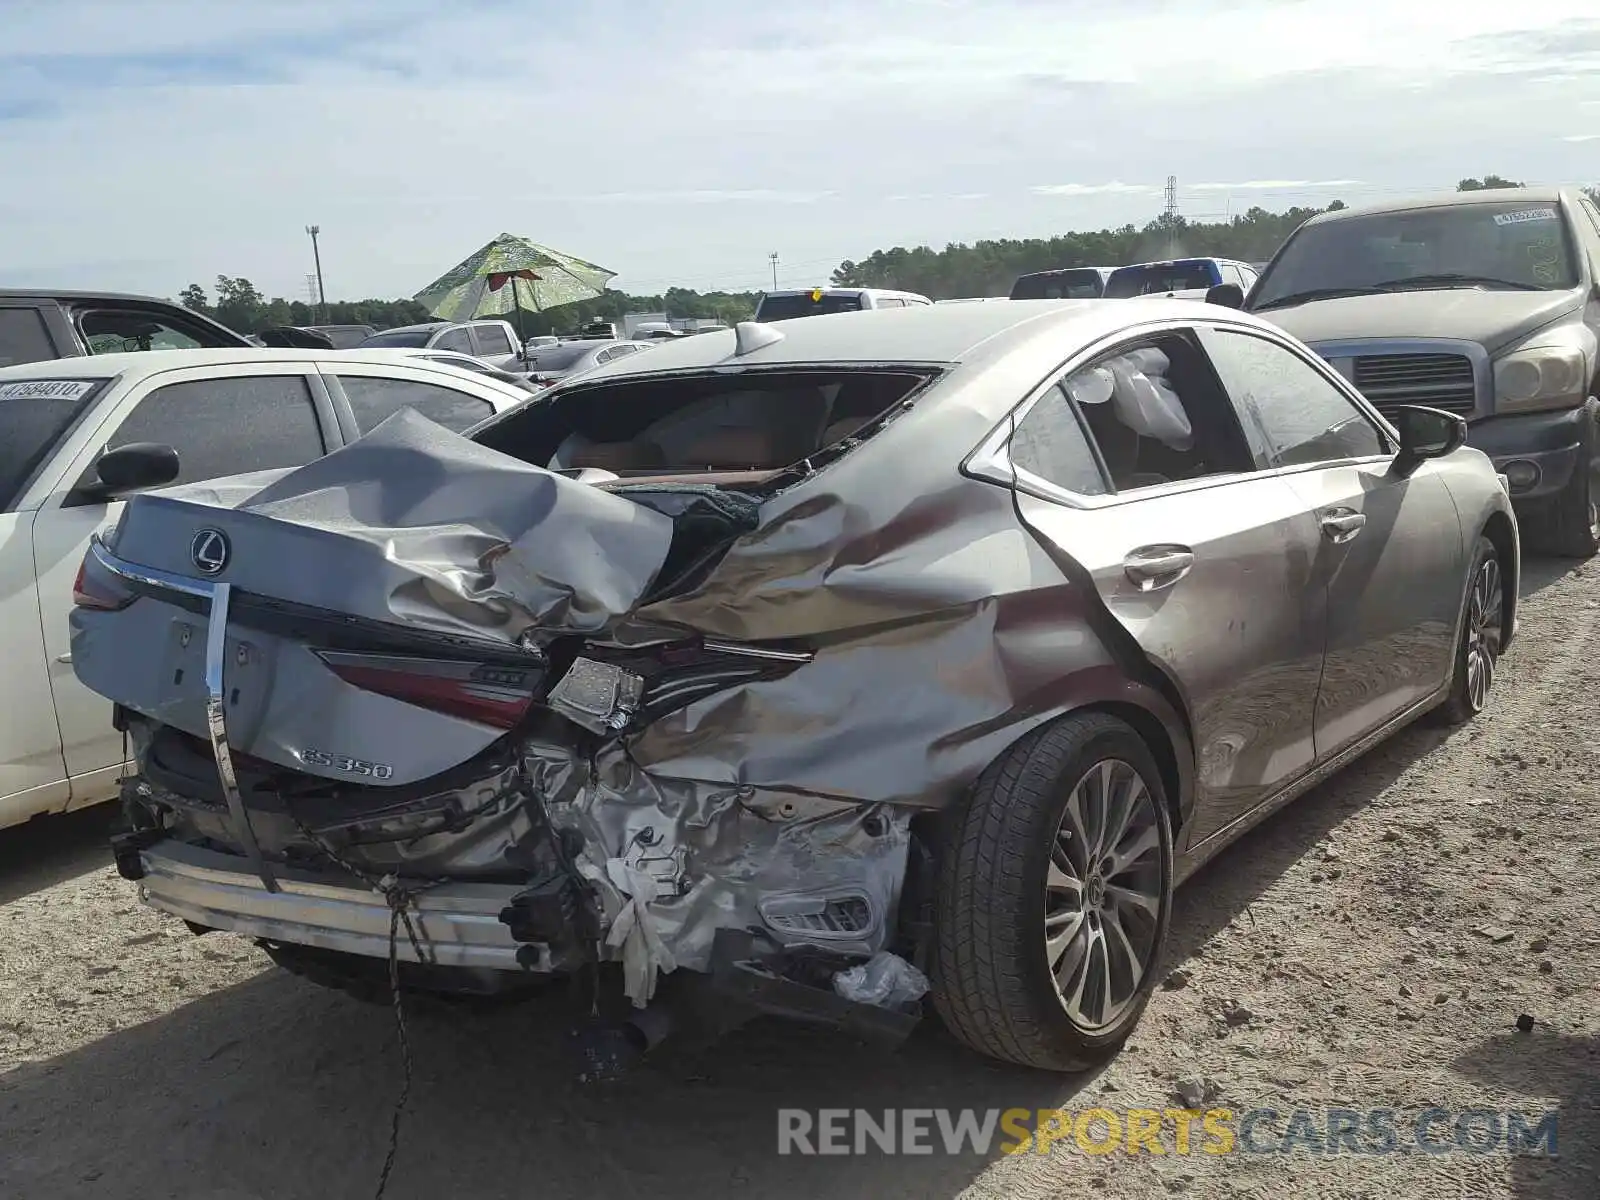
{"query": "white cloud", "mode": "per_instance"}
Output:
(1276, 185)
(1582, 137)
(1114, 188)
(147, 145)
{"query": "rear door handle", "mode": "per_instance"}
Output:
(1155, 567)
(1341, 524)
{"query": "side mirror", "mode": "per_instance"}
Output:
(1227, 295)
(133, 467)
(1426, 433)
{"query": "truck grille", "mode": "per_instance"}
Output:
(1437, 380)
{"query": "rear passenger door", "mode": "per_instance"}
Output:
(222, 420)
(1389, 553)
(1203, 561)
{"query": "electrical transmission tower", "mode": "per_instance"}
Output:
(1170, 216)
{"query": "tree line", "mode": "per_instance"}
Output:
(983, 268)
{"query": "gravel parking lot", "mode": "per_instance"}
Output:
(1342, 956)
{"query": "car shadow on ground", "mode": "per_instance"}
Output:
(1521, 1062)
(1539, 572)
(47, 850)
(273, 1088)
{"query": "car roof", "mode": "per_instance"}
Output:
(1529, 195)
(929, 334)
(70, 294)
(140, 363)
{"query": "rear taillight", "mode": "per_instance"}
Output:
(497, 696)
(97, 590)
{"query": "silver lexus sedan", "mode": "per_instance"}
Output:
(819, 669)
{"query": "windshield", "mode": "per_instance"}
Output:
(800, 304)
(1079, 284)
(344, 337)
(559, 358)
(1521, 243)
(1157, 279)
(34, 414)
(398, 337)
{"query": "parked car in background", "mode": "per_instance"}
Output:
(1485, 304)
(465, 362)
(346, 337)
(1184, 278)
(816, 302)
(39, 325)
(495, 342)
(556, 363)
(79, 435)
(1068, 283)
(853, 609)
(540, 340)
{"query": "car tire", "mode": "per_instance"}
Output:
(1478, 644)
(1001, 894)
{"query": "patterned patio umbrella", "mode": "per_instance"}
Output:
(512, 274)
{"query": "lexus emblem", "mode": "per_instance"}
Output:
(210, 551)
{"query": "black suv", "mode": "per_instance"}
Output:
(40, 325)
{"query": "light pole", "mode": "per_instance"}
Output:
(316, 254)
(773, 259)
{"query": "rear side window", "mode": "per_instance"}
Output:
(492, 340)
(1157, 279)
(121, 331)
(786, 308)
(457, 339)
(34, 414)
(1058, 285)
(1050, 442)
(374, 400)
(23, 337)
(229, 426)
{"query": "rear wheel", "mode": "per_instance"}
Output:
(1482, 632)
(1054, 897)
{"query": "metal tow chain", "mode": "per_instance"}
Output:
(401, 899)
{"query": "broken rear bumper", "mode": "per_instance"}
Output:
(457, 924)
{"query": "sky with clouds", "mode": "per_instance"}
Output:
(145, 144)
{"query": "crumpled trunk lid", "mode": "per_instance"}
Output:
(412, 553)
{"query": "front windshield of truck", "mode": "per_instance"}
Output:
(1512, 244)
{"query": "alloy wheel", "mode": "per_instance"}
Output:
(1484, 608)
(1103, 894)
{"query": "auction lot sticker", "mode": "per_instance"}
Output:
(48, 389)
(1526, 215)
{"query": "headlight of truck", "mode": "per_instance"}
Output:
(1550, 370)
